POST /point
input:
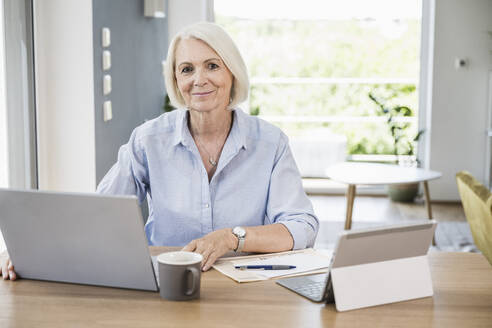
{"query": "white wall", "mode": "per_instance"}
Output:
(185, 12)
(65, 94)
(459, 96)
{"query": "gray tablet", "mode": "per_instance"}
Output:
(358, 247)
(77, 238)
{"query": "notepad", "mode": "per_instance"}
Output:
(307, 261)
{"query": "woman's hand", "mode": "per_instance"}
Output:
(213, 246)
(7, 270)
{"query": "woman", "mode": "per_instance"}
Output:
(216, 179)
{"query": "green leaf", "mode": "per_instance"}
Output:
(417, 137)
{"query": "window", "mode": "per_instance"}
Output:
(313, 65)
(17, 113)
(3, 119)
(17, 128)
(3, 112)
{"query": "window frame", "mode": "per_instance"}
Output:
(20, 94)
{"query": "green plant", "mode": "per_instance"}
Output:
(167, 107)
(403, 144)
(254, 111)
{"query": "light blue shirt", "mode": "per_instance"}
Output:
(256, 181)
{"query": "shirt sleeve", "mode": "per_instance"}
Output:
(288, 204)
(129, 175)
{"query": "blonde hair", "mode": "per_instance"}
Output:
(217, 39)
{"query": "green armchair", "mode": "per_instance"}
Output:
(477, 203)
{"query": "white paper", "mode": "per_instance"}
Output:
(306, 261)
(303, 262)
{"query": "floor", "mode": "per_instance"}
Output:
(381, 208)
(331, 208)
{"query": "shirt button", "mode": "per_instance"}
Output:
(207, 205)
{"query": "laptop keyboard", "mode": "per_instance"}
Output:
(311, 287)
(312, 290)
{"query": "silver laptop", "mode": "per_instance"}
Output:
(77, 238)
(356, 248)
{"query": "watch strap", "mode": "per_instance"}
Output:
(240, 233)
(240, 244)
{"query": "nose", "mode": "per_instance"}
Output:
(200, 78)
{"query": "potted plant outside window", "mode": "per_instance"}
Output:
(403, 145)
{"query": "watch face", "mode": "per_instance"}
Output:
(239, 231)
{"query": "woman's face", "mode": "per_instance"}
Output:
(203, 79)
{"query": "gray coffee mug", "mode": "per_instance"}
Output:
(179, 275)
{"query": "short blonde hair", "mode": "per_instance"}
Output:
(217, 39)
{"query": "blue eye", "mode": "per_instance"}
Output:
(213, 66)
(187, 69)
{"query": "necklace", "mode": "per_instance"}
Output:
(211, 159)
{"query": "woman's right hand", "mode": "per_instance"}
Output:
(7, 270)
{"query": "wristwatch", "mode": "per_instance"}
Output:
(240, 233)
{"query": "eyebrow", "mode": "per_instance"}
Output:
(205, 61)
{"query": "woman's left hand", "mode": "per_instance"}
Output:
(212, 246)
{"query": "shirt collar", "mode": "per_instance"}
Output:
(239, 128)
(181, 127)
(182, 134)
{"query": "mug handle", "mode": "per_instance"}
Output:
(196, 276)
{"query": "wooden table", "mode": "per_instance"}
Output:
(354, 174)
(462, 298)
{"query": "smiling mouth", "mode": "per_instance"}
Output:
(202, 93)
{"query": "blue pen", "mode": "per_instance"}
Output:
(265, 267)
